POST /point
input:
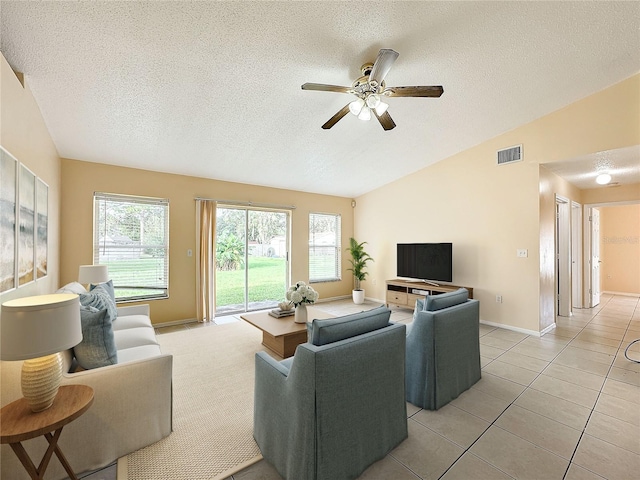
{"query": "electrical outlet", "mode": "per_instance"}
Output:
(522, 253)
(374, 281)
(498, 298)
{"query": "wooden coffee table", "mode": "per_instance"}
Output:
(283, 335)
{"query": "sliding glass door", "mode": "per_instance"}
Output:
(251, 258)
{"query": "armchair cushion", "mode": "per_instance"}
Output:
(445, 300)
(332, 330)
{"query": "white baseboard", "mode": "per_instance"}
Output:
(623, 294)
(174, 322)
(517, 329)
(333, 299)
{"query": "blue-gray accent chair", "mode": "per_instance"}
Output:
(338, 405)
(443, 349)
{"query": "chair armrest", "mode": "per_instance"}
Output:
(142, 309)
(270, 362)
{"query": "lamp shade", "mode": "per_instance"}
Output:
(93, 274)
(36, 326)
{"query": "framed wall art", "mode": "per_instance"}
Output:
(42, 228)
(26, 223)
(8, 195)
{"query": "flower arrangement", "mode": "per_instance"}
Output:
(301, 293)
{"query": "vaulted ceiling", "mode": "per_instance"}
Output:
(212, 89)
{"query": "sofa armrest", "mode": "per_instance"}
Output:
(132, 409)
(142, 309)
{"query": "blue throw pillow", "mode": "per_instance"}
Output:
(108, 286)
(446, 300)
(98, 346)
(100, 298)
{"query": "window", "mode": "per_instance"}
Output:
(324, 247)
(131, 236)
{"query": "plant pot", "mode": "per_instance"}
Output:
(358, 296)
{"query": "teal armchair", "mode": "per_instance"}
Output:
(443, 349)
(338, 405)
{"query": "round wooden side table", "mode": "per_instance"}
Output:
(18, 423)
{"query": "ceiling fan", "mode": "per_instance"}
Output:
(369, 88)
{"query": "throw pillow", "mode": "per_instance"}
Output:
(446, 300)
(108, 286)
(73, 287)
(98, 346)
(100, 298)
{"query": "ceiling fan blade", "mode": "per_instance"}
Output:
(333, 120)
(431, 91)
(382, 65)
(326, 88)
(385, 120)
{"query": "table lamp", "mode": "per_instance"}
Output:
(93, 274)
(36, 329)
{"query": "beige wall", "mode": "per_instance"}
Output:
(81, 179)
(620, 249)
(24, 134)
(490, 211)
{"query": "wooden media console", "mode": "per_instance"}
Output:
(403, 293)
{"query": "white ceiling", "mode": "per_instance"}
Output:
(623, 164)
(212, 89)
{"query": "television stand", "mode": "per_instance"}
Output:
(404, 293)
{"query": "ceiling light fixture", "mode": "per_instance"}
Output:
(603, 179)
(361, 107)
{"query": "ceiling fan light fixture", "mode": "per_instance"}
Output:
(603, 179)
(365, 114)
(381, 108)
(355, 107)
(373, 100)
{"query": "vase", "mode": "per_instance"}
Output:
(301, 313)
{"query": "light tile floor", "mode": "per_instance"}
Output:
(563, 406)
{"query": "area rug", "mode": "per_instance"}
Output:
(212, 438)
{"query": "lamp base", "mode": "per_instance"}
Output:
(41, 378)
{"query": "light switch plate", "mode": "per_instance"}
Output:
(522, 253)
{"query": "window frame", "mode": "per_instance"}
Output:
(337, 246)
(102, 200)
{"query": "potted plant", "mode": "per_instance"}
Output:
(359, 259)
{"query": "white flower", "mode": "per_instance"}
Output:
(301, 293)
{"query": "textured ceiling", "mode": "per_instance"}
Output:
(212, 89)
(622, 164)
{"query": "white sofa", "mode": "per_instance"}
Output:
(132, 405)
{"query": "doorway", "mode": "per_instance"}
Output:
(252, 252)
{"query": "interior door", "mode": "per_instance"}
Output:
(595, 257)
(563, 257)
(576, 255)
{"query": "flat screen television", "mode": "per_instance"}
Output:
(431, 262)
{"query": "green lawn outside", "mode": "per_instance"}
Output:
(266, 282)
(143, 271)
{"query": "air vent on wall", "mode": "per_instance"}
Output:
(510, 155)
